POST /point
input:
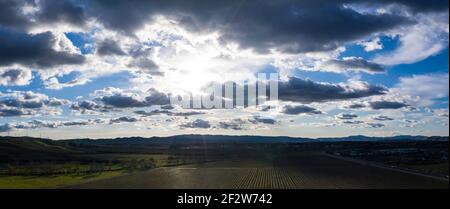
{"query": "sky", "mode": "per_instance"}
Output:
(102, 69)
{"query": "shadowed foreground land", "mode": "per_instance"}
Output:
(197, 161)
(304, 171)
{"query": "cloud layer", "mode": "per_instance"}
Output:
(348, 66)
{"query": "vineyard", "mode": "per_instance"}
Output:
(307, 171)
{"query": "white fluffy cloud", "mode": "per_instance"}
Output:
(28, 103)
(419, 41)
(423, 89)
(350, 64)
(183, 48)
(372, 45)
(15, 77)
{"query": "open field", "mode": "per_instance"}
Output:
(441, 167)
(302, 171)
(241, 162)
(52, 181)
(36, 175)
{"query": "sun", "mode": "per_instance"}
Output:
(192, 72)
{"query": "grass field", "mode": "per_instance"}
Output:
(52, 181)
(194, 162)
(303, 171)
(433, 168)
(32, 176)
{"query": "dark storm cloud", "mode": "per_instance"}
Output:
(15, 77)
(146, 65)
(259, 119)
(26, 103)
(375, 125)
(39, 124)
(238, 123)
(67, 11)
(198, 123)
(29, 100)
(303, 27)
(33, 50)
(132, 13)
(157, 98)
(307, 91)
(289, 26)
(127, 119)
(88, 106)
(142, 61)
(10, 14)
(167, 107)
(12, 74)
(76, 123)
(169, 113)
(6, 111)
(153, 112)
(382, 118)
(36, 50)
(356, 122)
(284, 25)
(202, 13)
(229, 125)
(109, 47)
(235, 124)
(185, 114)
(377, 105)
(347, 116)
(35, 124)
(300, 109)
(124, 100)
(48, 11)
(356, 106)
(353, 63)
(114, 99)
(29, 104)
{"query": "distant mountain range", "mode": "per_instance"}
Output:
(391, 138)
(26, 148)
(189, 139)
